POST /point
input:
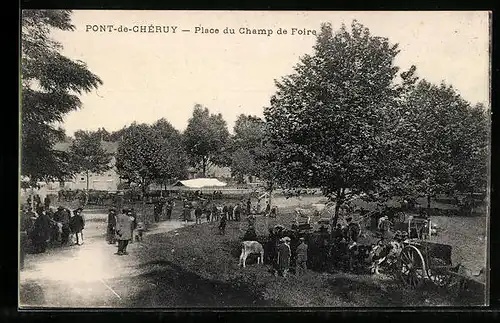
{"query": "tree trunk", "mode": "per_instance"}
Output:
(87, 192)
(32, 198)
(271, 198)
(471, 207)
(338, 203)
(204, 166)
(428, 205)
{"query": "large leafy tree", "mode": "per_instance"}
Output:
(170, 158)
(471, 158)
(87, 154)
(327, 121)
(135, 160)
(449, 142)
(51, 84)
(246, 146)
(206, 139)
(151, 154)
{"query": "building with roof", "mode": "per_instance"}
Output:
(106, 181)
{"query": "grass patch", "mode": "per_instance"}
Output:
(201, 251)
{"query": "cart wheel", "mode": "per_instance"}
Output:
(412, 267)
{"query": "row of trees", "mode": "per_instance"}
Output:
(347, 120)
(159, 153)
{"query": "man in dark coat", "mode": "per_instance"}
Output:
(237, 212)
(157, 210)
(124, 227)
(133, 217)
(268, 209)
(169, 207)
(225, 210)
(58, 214)
(77, 224)
(230, 212)
(111, 230)
(46, 202)
(222, 225)
(54, 226)
(284, 254)
(249, 206)
(206, 211)
(301, 261)
(41, 231)
(197, 213)
(214, 213)
(58, 217)
(186, 213)
(64, 218)
(274, 212)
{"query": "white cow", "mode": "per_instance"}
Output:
(249, 247)
(315, 210)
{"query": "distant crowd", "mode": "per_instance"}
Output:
(214, 211)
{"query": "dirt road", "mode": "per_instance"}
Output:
(90, 275)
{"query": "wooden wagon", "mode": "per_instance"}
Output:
(421, 260)
(424, 260)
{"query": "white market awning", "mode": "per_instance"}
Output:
(201, 183)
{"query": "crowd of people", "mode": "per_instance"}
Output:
(42, 225)
(214, 211)
(284, 254)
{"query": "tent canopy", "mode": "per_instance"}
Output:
(201, 183)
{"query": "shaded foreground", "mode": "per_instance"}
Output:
(206, 255)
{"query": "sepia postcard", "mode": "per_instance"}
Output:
(254, 159)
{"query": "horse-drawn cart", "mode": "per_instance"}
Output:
(424, 260)
(420, 260)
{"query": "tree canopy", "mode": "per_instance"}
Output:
(327, 119)
(449, 141)
(87, 154)
(206, 138)
(247, 145)
(151, 153)
(51, 84)
(170, 157)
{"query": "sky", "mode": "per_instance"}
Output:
(148, 76)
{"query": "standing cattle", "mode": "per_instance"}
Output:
(249, 247)
(315, 210)
(303, 213)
